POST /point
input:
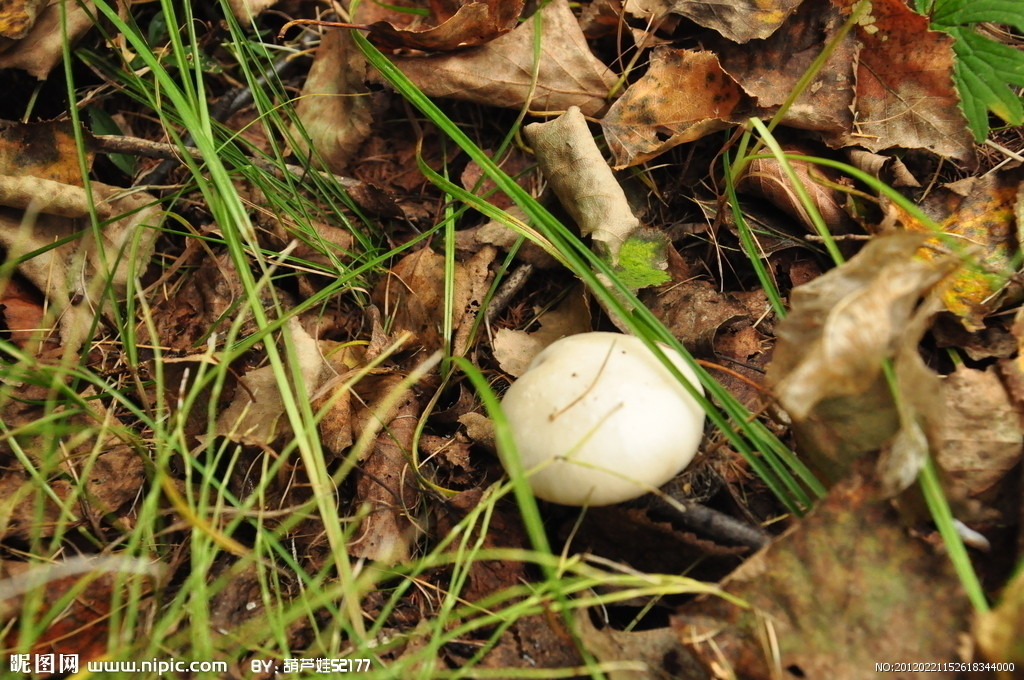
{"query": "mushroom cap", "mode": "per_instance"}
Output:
(598, 419)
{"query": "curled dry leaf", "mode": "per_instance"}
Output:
(583, 182)
(684, 95)
(827, 368)
(500, 73)
(472, 23)
(41, 48)
(767, 178)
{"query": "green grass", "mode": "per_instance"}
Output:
(187, 523)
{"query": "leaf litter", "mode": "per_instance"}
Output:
(854, 377)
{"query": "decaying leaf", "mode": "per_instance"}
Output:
(827, 368)
(413, 293)
(767, 178)
(256, 416)
(655, 653)
(460, 24)
(500, 73)
(583, 182)
(41, 48)
(981, 436)
(98, 475)
(739, 20)
(844, 589)
(985, 235)
(18, 16)
(387, 489)
(769, 69)
(684, 95)
(247, 10)
(335, 105)
(905, 93)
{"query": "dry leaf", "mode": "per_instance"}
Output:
(42, 47)
(107, 474)
(767, 178)
(256, 416)
(827, 367)
(656, 653)
(473, 23)
(905, 93)
(980, 436)
(684, 95)
(737, 20)
(583, 182)
(514, 350)
(387, 489)
(335, 105)
(843, 590)
(769, 69)
(17, 17)
(985, 232)
(500, 72)
(413, 294)
(246, 10)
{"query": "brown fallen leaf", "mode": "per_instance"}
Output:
(684, 95)
(765, 177)
(78, 594)
(334, 107)
(387, 490)
(40, 178)
(96, 479)
(981, 220)
(843, 590)
(246, 10)
(40, 49)
(17, 17)
(905, 94)
(515, 349)
(256, 415)
(500, 73)
(460, 24)
(768, 69)
(738, 20)
(827, 367)
(981, 438)
(413, 294)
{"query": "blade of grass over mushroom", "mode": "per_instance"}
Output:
(769, 458)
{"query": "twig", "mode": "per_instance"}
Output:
(709, 522)
(512, 285)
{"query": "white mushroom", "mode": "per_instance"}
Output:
(598, 419)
